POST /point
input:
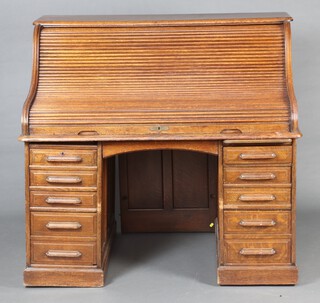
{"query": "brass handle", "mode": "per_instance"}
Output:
(63, 254)
(257, 223)
(257, 176)
(257, 197)
(258, 156)
(75, 159)
(66, 180)
(63, 225)
(257, 251)
(63, 200)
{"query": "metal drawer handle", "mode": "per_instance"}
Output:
(257, 176)
(63, 200)
(63, 225)
(75, 159)
(257, 251)
(257, 223)
(257, 197)
(63, 254)
(257, 156)
(66, 180)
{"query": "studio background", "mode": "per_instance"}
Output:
(181, 270)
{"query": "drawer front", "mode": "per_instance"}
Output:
(57, 224)
(63, 156)
(258, 155)
(251, 252)
(63, 178)
(58, 199)
(84, 253)
(267, 222)
(257, 198)
(257, 175)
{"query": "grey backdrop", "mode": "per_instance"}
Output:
(172, 268)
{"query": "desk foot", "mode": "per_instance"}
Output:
(257, 275)
(63, 277)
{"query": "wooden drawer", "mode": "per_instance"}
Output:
(63, 155)
(258, 155)
(58, 199)
(81, 253)
(63, 178)
(257, 222)
(257, 175)
(253, 251)
(58, 224)
(257, 198)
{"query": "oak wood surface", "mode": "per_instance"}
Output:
(154, 73)
(132, 20)
(238, 252)
(257, 222)
(202, 109)
(258, 155)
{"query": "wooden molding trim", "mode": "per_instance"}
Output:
(289, 79)
(115, 148)
(257, 275)
(34, 81)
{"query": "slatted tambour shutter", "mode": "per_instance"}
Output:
(205, 74)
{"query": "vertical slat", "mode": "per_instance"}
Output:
(27, 204)
(289, 78)
(220, 204)
(34, 81)
(99, 204)
(168, 198)
(294, 202)
(213, 187)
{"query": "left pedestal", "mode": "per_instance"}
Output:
(64, 202)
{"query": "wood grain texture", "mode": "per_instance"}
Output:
(163, 92)
(97, 75)
(257, 222)
(163, 20)
(257, 275)
(234, 253)
(257, 175)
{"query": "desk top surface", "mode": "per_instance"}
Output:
(127, 20)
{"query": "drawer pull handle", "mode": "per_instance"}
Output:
(88, 133)
(258, 156)
(74, 159)
(65, 180)
(63, 225)
(257, 251)
(63, 254)
(257, 223)
(231, 131)
(257, 176)
(257, 197)
(63, 200)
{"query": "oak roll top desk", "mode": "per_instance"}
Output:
(218, 86)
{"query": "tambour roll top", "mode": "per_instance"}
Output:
(161, 77)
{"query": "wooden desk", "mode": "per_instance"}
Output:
(201, 113)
